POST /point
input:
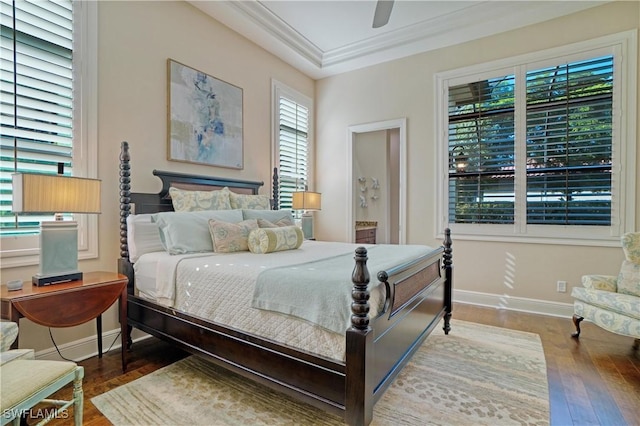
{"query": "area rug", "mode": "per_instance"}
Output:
(477, 375)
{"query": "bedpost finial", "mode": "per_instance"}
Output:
(447, 237)
(360, 272)
(124, 151)
(360, 291)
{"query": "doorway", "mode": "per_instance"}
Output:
(377, 192)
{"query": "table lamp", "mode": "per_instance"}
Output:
(42, 193)
(306, 200)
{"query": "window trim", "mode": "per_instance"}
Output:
(625, 49)
(25, 250)
(279, 89)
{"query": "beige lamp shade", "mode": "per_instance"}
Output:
(40, 193)
(306, 200)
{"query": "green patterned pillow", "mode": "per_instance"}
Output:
(629, 279)
(630, 246)
(231, 237)
(268, 240)
(248, 201)
(192, 201)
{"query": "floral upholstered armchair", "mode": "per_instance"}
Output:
(613, 303)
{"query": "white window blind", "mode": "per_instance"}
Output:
(569, 129)
(481, 149)
(293, 150)
(37, 97)
(569, 143)
(541, 147)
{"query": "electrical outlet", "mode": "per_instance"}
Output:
(562, 286)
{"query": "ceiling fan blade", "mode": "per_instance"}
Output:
(383, 11)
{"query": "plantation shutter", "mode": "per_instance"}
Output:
(36, 87)
(569, 143)
(481, 151)
(294, 150)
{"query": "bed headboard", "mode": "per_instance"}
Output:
(161, 202)
(138, 202)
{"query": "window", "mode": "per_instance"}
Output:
(532, 146)
(48, 99)
(292, 142)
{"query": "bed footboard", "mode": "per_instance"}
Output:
(418, 295)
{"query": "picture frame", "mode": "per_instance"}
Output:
(205, 123)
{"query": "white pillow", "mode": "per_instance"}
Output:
(143, 236)
(188, 232)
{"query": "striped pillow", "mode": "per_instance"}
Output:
(268, 240)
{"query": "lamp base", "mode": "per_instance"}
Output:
(58, 253)
(42, 280)
(306, 223)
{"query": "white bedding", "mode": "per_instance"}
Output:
(220, 287)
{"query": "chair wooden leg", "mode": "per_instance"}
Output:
(78, 397)
(577, 319)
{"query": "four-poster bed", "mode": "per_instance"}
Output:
(416, 296)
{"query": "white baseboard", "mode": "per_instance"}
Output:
(88, 347)
(521, 304)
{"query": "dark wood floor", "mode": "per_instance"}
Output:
(593, 381)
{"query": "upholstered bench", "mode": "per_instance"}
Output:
(26, 383)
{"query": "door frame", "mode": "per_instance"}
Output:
(352, 131)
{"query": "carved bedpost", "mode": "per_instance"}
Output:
(360, 292)
(447, 260)
(359, 391)
(275, 191)
(125, 197)
(124, 266)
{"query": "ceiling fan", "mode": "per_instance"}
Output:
(382, 13)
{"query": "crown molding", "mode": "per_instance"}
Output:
(257, 23)
(279, 29)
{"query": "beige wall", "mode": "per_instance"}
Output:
(405, 88)
(135, 40)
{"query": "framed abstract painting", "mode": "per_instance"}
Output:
(204, 118)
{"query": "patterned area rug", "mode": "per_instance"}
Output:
(477, 375)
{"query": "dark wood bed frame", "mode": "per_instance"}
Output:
(418, 296)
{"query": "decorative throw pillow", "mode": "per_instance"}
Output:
(248, 201)
(268, 240)
(191, 201)
(629, 279)
(188, 232)
(231, 237)
(630, 246)
(263, 223)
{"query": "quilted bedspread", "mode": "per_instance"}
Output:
(220, 287)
